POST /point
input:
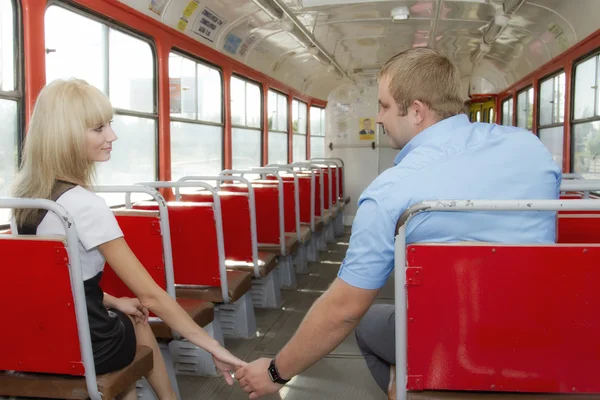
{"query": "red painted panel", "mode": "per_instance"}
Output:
(304, 195)
(235, 210)
(579, 228)
(267, 210)
(143, 236)
(39, 329)
(193, 242)
(289, 202)
(504, 318)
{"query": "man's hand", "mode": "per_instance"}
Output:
(254, 379)
(134, 308)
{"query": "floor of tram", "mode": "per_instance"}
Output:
(343, 374)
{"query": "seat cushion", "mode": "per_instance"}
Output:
(305, 233)
(291, 245)
(238, 284)
(201, 311)
(266, 264)
(60, 387)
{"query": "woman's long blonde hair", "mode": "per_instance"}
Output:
(55, 145)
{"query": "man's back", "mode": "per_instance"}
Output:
(476, 161)
(453, 160)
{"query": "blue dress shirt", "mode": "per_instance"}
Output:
(453, 160)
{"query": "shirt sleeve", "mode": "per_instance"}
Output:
(94, 220)
(370, 256)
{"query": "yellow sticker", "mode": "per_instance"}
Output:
(181, 25)
(191, 7)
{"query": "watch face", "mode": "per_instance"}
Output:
(273, 373)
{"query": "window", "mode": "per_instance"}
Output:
(278, 128)
(586, 119)
(246, 111)
(507, 112)
(525, 109)
(10, 99)
(196, 103)
(491, 119)
(317, 132)
(123, 67)
(552, 115)
(299, 129)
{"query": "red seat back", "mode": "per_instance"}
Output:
(193, 242)
(289, 201)
(39, 328)
(266, 197)
(334, 185)
(142, 233)
(503, 318)
(578, 227)
(235, 210)
(326, 191)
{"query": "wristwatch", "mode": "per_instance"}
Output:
(274, 374)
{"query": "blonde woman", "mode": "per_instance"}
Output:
(69, 131)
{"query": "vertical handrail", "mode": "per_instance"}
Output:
(76, 278)
(218, 220)
(400, 292)
(280, 199)
(252, 203)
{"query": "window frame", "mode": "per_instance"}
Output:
(126, 30)
(539, 105)
(511, 110)
(18, 94)
(529, 105)
(185, 54)
(262, 113)
(573, 122)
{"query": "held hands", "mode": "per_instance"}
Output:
(226, 363)
(254, 379)
(134, 308)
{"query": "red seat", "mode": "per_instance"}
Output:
(39, 326)
(503, 318)
(142, 232)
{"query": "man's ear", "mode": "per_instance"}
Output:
(419, 109)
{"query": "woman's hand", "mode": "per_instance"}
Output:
(226, 363)
(134, 308)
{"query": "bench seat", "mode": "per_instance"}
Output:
(201, 311)
(266, 263)
(305, 234)
(291, 245)
(61, 387)
(238, 284)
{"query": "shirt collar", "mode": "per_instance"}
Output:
(442, 128)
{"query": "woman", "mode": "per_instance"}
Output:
(68, 133)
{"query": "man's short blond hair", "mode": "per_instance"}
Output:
(426, 75)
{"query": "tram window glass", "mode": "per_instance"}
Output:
(122, 65)
(586, 89)
(278, 128)
(10, 99)
(525, 109)
(196, 101)
(586, 149)
(552, 115)
(299, 129)
(478, 116)
(552, 100)
(246, 109)
(585, 157)
(507, 112)
(491, 116)
(317, 132)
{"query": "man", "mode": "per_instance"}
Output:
(443, 156)
(367, 127)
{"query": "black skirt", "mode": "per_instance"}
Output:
(112, 332)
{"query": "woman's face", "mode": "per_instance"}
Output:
(99, 142)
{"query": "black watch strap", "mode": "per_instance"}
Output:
(274, 374)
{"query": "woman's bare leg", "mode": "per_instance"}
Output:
(129, 394)
(158, 377)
